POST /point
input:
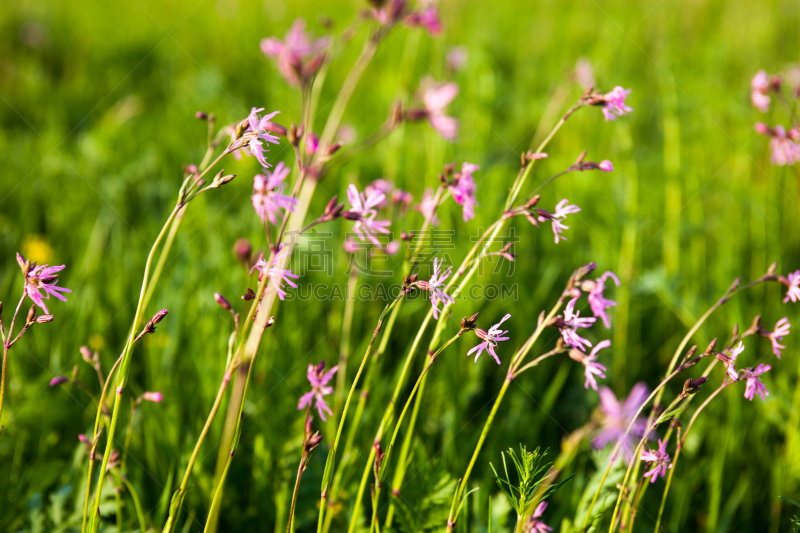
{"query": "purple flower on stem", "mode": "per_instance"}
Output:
(436, 286)
(781, 330)
(298, 56)
(363, 211)
(428, 18)
(597, 301)
(250, 140)
(427, 206)
(615, 103)
(792, 281)
(380, 185)
(435, 99)
(319, 380)
(568, 326)
(759, 87)
(267, 197)
(730, 361)
(619, 416)
(784, 150)
(606, 166)
(277, 275)
(754, 385)
(58, 380)
(658, 459)
(44, 277)
(490, 339)
(562, 210)
(534, 525)
(591, 367)
(463, 190)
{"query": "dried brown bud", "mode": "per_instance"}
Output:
(293, 135)
(220, 299)
(396, 115)
(581, 158)
(333, 210)
(692, 386)
(710, 347)
(332, 149)
(249, 295)
(150, 327)
(533, 201)
(31, 314)
(468, 324)
(772, 271)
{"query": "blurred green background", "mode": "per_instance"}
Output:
(97, 103)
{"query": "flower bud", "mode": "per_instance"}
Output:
(276, 128)
(692, 386)
(31, 314)
(761, 128)
(220, 299)
(332, 149)
(606, 166)
(243, 250)
(201, 115)
(154, 397)
(44, 319)
(312, 143)
(249, 295)
(58, 380)
(86, 353)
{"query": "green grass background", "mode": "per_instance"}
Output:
(96, 118)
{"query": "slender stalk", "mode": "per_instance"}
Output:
(6, 346)
(703, 405)
(644, 438)
(344, 343)
(301, 468)
(137, 505)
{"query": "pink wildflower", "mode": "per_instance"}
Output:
(428, 18)
(456, 58)
(44, 277)
(463, 190)
(534, 525)
(784, 150)
(257, 130)
(591, 367)
(267, 197)
(792, 281)
(781, 330)
(606, 166)
(428, 207)
(597, 301)
(619, 416)
(380, 185)
(277, 275)
(754, 385)
(568, 326)
(363, 211)
(402, 199)
(298, 56)
(758, 91)
(58, 380)
(435, 99)
(658, 459)
(615, 103)
(436, 286)
(562, 210)
(319, 380)
(490, 339)
(730, 361)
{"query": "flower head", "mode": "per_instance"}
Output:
(784, 150)
(456, 58)
(562, 210)
(436, 286)
(267, 197)
(597, 301)
(792, 281)
(534, 525)
(380, 185)
(364, 210)
(298, 56)
(319, 380)
(58, 380)
(754, 385)
(759, 87)
(256, 130)
(658, 459)
(781, 330)
(463, 190)
(428, 18)
(569, 324)
(427, 206)
(436, 98)
(44, 278)
(490, 339)
(277, 275)
(615, 103)
(618, 417)
(591, 367)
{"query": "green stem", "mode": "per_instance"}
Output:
(136, 503)
(344, 343)
(6, 345)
